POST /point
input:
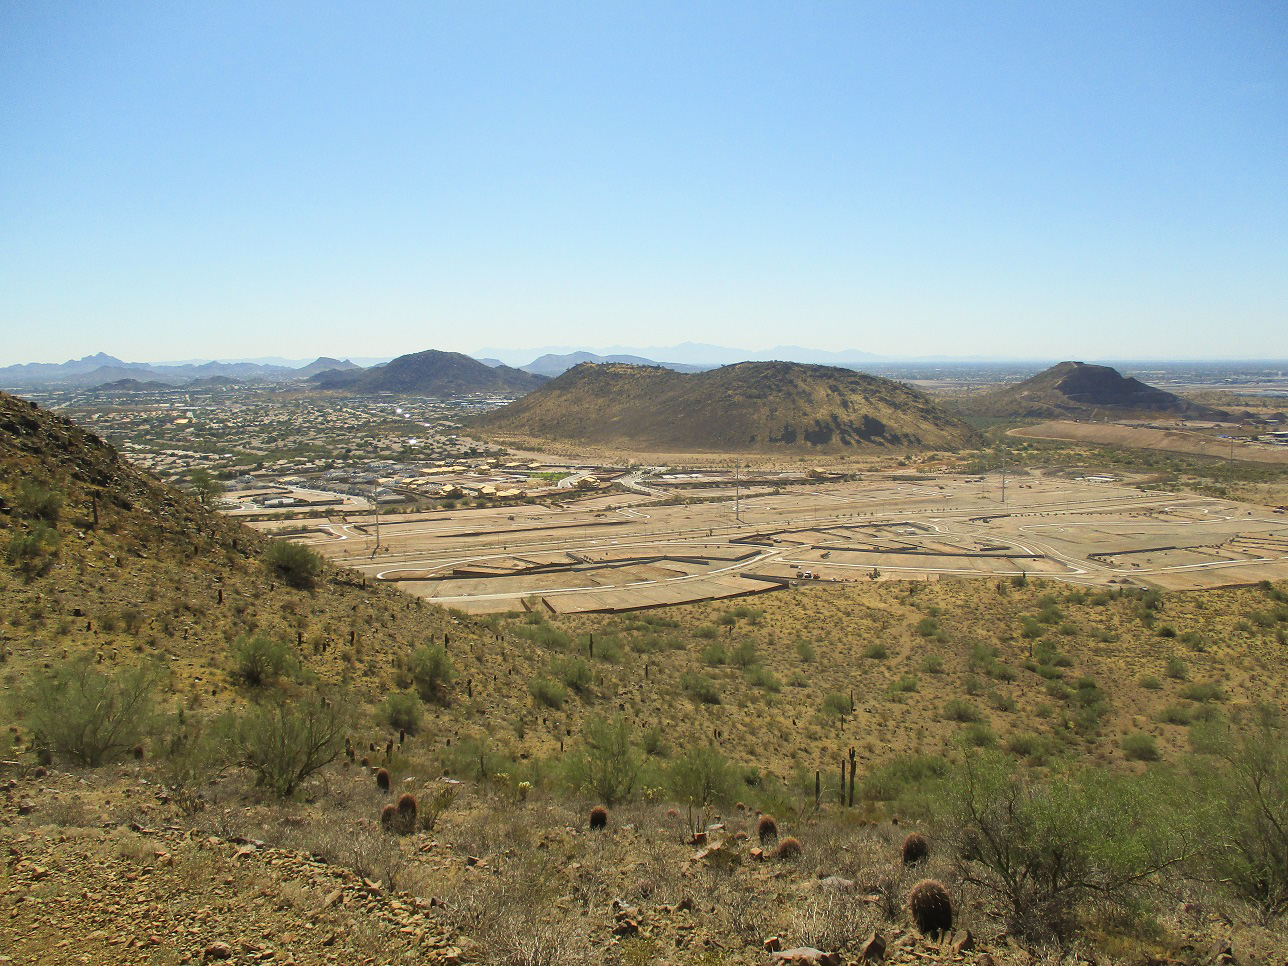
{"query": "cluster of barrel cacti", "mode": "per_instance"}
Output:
(401, 819)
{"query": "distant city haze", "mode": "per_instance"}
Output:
(231, 181)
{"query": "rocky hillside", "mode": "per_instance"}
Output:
(750, 406)
(1079, 390)
(431, 373)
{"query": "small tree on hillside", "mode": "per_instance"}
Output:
(284, 743)
(295, 563)
(609, 763)
(86, 715)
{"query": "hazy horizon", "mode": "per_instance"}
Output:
(1021, 182)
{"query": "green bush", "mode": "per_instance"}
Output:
(402, 710)
(960, 710)
(294, 563)
(33, 552)
(1139, 746)
(607, 764)
(761, 677)
(284, 742)
(86, 715)
(1202, 692)
(432, 671)
(744, 655)
(1177, 669)
(805, 651)
(700, 688)
(575, 674)
(902, 778)
(36, 502)
(259, 660)
(1250, 793)
(835, 705)
(932, 664)
(714, 654)
(1048, 848)
(928, 627)
(702, 776)
(876, 652)
(545, 691)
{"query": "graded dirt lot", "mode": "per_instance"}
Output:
(622, 552)
(1142, 437)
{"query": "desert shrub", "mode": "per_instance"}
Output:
(932, 664)
(37, 502)
(432, 671)
(1151, 682)
(1177, 669)
(260, 660)
(607, 764)
(761, 677)
(915, 849)
(905, 780)
(931, 907)
(928, 627)
(744, 655)
(1139, 746)
(436, 800)
(608, 648)
(700, 688)
(87, 715)
(546, 635)
(598, 818)
(714, 654)
(1250, 793)
(1045, 847)
(835, 704)
(904, 684)
(979, 735)
(402, 710)
(294, 563)
(960, 710)
(547, 692)
(789, 848)
(33, 552)
(1176, 713)
(1027, 744)
(284, 742)
(702, 776)
(805, 651)
(575, 673)
(1202, 691)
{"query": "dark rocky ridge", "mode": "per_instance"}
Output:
(1080, 390)
(750, 406)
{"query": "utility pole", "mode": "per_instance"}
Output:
(375, 502)
(1003, 476)
(737, 492)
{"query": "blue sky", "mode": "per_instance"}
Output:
(1038, 180)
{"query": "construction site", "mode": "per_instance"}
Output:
(633, 550)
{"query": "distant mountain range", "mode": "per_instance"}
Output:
(686, 357)
(101, 369)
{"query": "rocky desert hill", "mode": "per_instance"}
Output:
(750, 406)
(430, 373)
(1079, 390)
